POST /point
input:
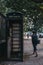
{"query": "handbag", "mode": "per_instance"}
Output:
(38, 41)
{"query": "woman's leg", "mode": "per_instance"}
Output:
(35, 50)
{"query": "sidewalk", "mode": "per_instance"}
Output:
(28, 58)
(29, 61)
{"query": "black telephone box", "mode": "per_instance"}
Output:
(15, 36)
(3, 44)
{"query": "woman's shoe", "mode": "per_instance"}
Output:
(33, 53)
(36, 55)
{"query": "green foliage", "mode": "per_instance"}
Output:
(2, 6)
(27, 7)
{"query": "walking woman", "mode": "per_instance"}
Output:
(34, 43)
